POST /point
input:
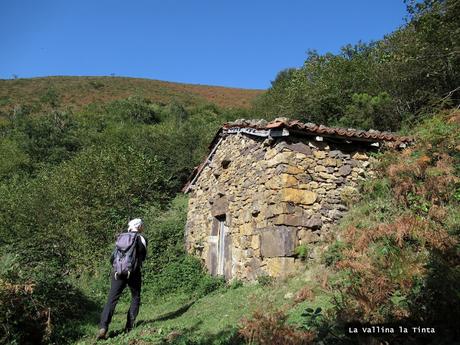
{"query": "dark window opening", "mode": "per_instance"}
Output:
(217, 224)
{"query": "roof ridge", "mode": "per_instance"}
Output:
(284, 122)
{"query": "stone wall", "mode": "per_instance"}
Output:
(259, 199)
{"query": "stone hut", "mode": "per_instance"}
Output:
(267, 188)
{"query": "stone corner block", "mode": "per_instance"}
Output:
(277, 241)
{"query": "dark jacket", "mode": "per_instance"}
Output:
(141, 249)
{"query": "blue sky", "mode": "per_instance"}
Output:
(239, 43)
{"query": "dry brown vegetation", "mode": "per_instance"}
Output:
(20, 300)
(270, 328)
(80, 91)
(390, 268)
(304, 294)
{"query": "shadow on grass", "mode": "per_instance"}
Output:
(168, 316)
(77, 311)
(190, 335)
(114, 334)
(228, 336)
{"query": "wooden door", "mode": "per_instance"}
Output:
(219, 256)
(221, 247)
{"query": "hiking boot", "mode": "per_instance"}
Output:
(102, 334)
(129, 326)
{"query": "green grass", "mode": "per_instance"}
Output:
(213, 319)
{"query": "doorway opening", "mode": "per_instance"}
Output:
(220, 248)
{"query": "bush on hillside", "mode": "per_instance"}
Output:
(13, 159)
(269, 327)
(41, 140)
(133, 109)
(36, 306)
(404, 266)
(168, 268)
(71, 212)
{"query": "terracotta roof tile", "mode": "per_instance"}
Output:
(311, 128)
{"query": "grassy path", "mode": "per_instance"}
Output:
(212, 319)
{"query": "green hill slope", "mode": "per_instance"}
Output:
(80, 91)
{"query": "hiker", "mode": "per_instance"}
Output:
(129, 253)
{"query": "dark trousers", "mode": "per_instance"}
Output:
(116, 288)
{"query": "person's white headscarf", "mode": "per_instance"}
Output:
(134, 224)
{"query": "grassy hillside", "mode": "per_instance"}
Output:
(216, 317)
(79, 91)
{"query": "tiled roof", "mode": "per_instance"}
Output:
(320, 130)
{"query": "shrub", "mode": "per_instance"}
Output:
(47, 139)
(304, 294)
(333, 253)
(22, 318)
(51, 97)
(134, 109)
(165, 234)
(302, 251)
(235, 284)
(366, 111)
(312, 318)
(79, 206)
(270, 328)
(35, 306)
(168, 269)
(184, 275)
(265, 280)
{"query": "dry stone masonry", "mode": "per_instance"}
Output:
(268, 188)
